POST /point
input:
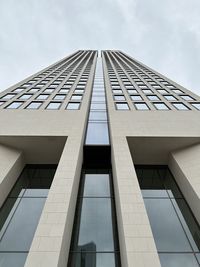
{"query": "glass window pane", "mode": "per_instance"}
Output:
(100, 116)
(97, 133)
(161, 106)
(73, 105)
(189, 224)
(146, 91)
(33, 90)
(14, 105)
(8, 96)
(177, 260)
(136, 97)
(167, 230)
(153, 97)
(170, 97)
(196, 105)
(180, 106)
(19, 234)
(25, 96)
(96, 185)
(141, 106)
(132, 91)
(162, 91)
(12, 259)
(100, 106)
(53, 105)
(64, 91)
(93, 259)
(186, 97)
(76, 97)
(177, 91)
(98, 98)
(42, 97)
(34, 105)
(122, 106)
(18, 90)
(59, 97)
(119, 97)
(96, 233)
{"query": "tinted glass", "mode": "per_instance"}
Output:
(12, 259)
(96, 233)
(93, 259)
(167, 230)
(178, 260)
(96, 185)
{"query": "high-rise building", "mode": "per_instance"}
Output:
(100, 167)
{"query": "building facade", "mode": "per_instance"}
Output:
(99, 167)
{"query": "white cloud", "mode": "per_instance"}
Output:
(162, 34)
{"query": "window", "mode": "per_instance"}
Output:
(76, 97)
(78, 91)
(73, 105)
(119, 97)
(49, 91)
(53, 105)
(94, 242)
(33, 90)
(42, 97)
(97, 134)
(1, 103)
(59, 97)
(25, 96)
(14, 105)
(170, 97)
(64, 91)
(100, 106)
(132, 91)
(18, 90)
(34, 105)
(196, 105)
(176, 232)
(153, 97)
(98, 116)
(177, 91)
(136, 97)
(147, 91)
(187, 97)
(161, 106)
(98, 98)
(180, 106)
(141, 106)
(8, 96)
(122, 106)
(21, 212)
(162, 91)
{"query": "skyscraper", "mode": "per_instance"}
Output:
(99, 167)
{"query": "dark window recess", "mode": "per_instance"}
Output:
(21, 211)
(175, 230)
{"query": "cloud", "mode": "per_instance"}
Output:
(164, 35)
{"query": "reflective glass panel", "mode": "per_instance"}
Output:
(97, 133)
(96, 185)
(167, 230)
(180, 106)
(178, 260)
(96, 233)
(98, 116)
(73, 105)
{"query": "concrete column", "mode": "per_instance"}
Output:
(185, 166)
(51, 243)
(136, 240)
(11, 165)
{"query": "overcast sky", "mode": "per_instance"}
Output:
(164, 35)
